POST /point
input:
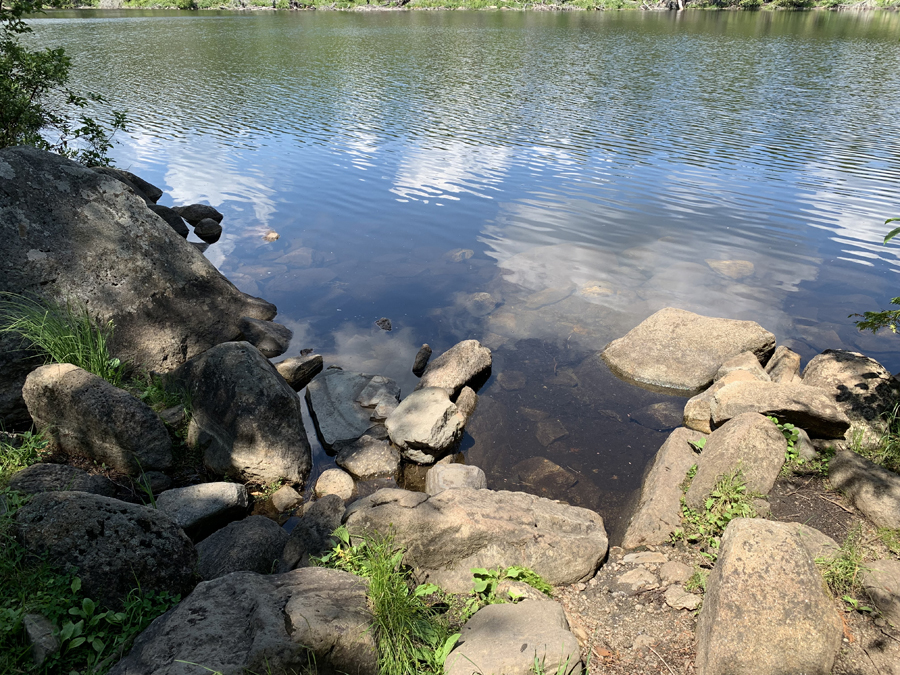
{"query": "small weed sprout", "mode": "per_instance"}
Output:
(697, 582)
(842, 570)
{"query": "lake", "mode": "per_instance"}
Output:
(539, 181)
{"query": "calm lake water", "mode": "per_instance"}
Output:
(539, 181)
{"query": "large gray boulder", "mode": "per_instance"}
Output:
(308, 620)
(201, 509)
(809, 408)
(59, 477)
(71, 233)
(766, 610)
(87, 416)
(346, 405)
(482, 528)
(253, 544)
(749, 443)
(873, 489)
(115, 546)
(246, 418)
(862, 387)
(426, 425)
(679, 351)
(465, 362)
(658, 513)
(509, 639)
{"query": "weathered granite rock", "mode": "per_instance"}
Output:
(314, 618)
(873, 489)
(766, 611)
(335, 482)
(809, 408)
(270, 338)
(426, 425)
(173, 220)
(881, 579)
(113, 545)
(246, 418)
(745, 361)
(41, 635)
(750, 444)
(421, 360)
(253, 544)
(509, 639)
(862, 387)
(194, 213)
(312, 535)
(88, 416)
(674, 572)
(680, 351)
(634, 581)
(464, 363)
(202, 509)
(146, 191)
(816, 544)
(70, 232)
(452, 476)
(369, 457)
(482, 528)
(698, 409)
(285, 498)
(658, 513)
(677, 597)
(467, 402)
(59, 477)
(381, 396)
(298, 371)
(208, 230)
(784, 366)
(340, 418)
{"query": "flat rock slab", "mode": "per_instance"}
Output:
(749, 443)
(309, 620)
(864, 389)
(881, 579)
(250, 545)
(70, 232)
(369, 457)
(509, 639)
(809, 408)
(113, 545)
(201, 509)
(340, 417)
(873, 489)
(426, 425)
(679, 351)
(88, 416)
(298, 371)
(58, 477)
(464, 363)
(452, 476)
(483, 528)
(766, 610)
(246, 418)
(658, 513)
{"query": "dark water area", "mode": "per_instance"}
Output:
(539, 181)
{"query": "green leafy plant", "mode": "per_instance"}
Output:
(791, 435)
(841, 570)
(485, 583)
(886, 451)
(410, 635)
(19, 452)
(697, 582)
(728, 500)
(891, 539)
(698, 445)
(62, 333)
(875, 321)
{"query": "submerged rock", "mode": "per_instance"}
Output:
(680, 351)
(453, 476)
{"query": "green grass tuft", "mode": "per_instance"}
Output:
(18, 451)
(842, 571)
(61, 333)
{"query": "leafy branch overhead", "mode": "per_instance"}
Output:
(888, 318)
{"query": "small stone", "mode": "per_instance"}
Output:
(384, 324)
(171, 218)
(421, 361)
(39, 631)
(463, 363)
(784, 366)
(194, 213)
(369, 457)
(635, 581)
(549, 431)
(881, 579)
(253, 544)
(674, 572)
(466, 402)
(58, 477)
(156, 481)
(208, 230)
(511, 380)
(678, 598)
(459, 254)
(201, 509)
(270, 338)
(335, 482)
(285, 498)
(173, 416)
(644, 558)
(271, 235)
(642, 642)
(426, 425)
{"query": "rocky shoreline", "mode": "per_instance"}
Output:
(97, 237)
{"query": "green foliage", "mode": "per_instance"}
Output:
(36, 106)
(728, 500)
(886, 451)
(698, 445)
(92, 638)
(62, 334)
(485, 583)
(791, 434)
(22, 451)
(410, 635)
(697, 582)
(842, 570)
(152, 390)
(891, 539)
(889, 318)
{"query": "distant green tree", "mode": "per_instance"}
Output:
(36, 105)
(888, 318)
